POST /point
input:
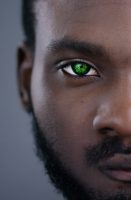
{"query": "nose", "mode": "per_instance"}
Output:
(113, 116)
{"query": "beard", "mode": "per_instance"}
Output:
(62, 178)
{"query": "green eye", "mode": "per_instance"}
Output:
(81, 69)
(78, 68)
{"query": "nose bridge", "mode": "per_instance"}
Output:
(114, 111)
(120, 101)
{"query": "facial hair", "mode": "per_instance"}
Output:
(62, 178)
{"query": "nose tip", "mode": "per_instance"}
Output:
(113, 121)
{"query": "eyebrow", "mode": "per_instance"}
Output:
(82, 47)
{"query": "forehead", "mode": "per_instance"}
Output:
(64, 13)
(74, 5)
(97, 20)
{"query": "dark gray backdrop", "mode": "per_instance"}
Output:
(22, 177)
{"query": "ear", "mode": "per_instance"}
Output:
(24, 71)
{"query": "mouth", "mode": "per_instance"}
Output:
(117, 168)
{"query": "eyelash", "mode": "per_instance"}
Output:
(66, 67)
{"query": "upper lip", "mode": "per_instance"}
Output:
(117, 162)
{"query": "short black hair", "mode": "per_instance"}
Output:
(28, 21)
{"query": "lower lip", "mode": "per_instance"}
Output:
(119, 174)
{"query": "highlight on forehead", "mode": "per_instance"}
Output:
(72, 5)
(80, 3)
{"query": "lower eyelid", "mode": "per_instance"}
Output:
(80, 80)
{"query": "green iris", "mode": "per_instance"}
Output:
(80, 69)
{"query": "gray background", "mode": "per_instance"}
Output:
(22, 176)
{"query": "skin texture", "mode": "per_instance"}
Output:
(82, 117)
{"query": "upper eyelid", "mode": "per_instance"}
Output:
(70, 61)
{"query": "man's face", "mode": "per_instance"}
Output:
(80, 90)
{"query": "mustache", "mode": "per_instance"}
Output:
(106, 149)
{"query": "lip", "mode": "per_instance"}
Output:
(117, 168)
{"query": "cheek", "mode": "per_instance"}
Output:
(67, 125)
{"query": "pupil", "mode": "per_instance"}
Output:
(80, 69)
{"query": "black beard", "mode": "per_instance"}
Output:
(62, 178)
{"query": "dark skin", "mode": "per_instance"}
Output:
(78, 113)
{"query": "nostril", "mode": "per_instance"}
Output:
(107, 130)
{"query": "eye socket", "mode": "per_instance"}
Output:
(78, 68)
